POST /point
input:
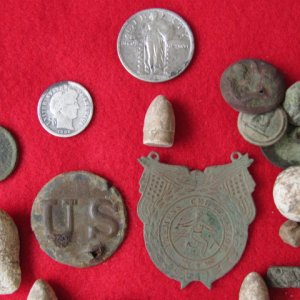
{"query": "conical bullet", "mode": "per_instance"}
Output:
(41, 290)
(159, 124)
(254, 288)
(10, 272)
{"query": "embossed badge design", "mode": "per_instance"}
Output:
(196, 223)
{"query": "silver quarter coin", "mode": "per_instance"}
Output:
(155, 45)
(263, 129)
(65, 109)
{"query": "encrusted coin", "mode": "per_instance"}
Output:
(291, 103)
(263, 129)
(285, 152)
(155, 45)
(79, 219)
(252, 86)
(8, 153)
(196, 223)
(65, 109)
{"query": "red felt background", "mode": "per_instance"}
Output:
(45, 41)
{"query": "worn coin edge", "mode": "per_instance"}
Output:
(13, 163)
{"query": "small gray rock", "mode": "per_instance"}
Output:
(10, 272)
(290, 233)
(284, 277)
(254, 288)
(41, 290)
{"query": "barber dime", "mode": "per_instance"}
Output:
(79, 219)
(155, 45)
(65, 109)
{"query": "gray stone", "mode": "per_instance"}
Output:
(41, 290)
(254, 288)
(10, 272)
(290, 233)
(284, 277)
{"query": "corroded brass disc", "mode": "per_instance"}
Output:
(78, 219)
(286, 152)
(8, 153)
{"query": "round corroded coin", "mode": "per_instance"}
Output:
(155, 45)
(8, 153)
(286, 152)
(291, 103)
(252, 86)
(65, 109)
(79, 219)
(263, 129)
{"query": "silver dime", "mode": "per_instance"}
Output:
(155, 45)
(65, 109)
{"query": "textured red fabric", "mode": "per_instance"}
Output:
(42, 42)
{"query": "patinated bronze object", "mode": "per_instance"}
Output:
(263, 129)
(286, 152)
(252, 86)
(8, 153)
(284, 277)
(79, 219)
(196, 223)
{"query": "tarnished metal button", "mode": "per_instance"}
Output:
(8, 153)
(285, 152)
(252, 86)
(291, 103)
(79, 219)
(263, 129)
(159, 124)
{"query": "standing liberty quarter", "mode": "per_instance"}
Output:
(65, 109)
(155, 45)
(79, 219)
(8, 153)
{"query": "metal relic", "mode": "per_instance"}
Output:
(155, 45)
(65, 109)
(252, 86)
(8, 153)
(291, 103)
(196, 223)
(79, 219)
(284, 277)
(263, 129)
(285, 152)
(159, 124)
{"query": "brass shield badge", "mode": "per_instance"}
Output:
(196, 223)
